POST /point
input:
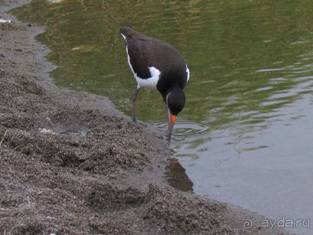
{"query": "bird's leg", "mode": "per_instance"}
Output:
(169, 128)
(168, 131)
(171, 123)
(168, 122)
(134, 101)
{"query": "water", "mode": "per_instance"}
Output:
(245, 136)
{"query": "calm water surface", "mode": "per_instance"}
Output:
(245, 136)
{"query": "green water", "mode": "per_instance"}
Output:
(249, 99)
(234, 50)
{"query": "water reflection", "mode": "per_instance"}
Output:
(177, 177)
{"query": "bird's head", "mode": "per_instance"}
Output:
(125, 30)
(175, 101)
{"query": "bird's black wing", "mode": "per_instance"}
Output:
(147, 52)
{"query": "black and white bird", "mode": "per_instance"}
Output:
(157, 65)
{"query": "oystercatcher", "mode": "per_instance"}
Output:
(157, 65)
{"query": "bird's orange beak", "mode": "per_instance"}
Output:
(173, 118)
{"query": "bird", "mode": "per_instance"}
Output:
(160, 66)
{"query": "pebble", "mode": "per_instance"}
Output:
(3, 21)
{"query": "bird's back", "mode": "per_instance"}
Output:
(145, 52)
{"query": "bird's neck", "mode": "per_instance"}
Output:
(174, 89)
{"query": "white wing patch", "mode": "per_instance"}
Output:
(150, 82)
(188, 73)
(123, 36)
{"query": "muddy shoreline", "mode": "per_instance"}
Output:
(71, 163)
